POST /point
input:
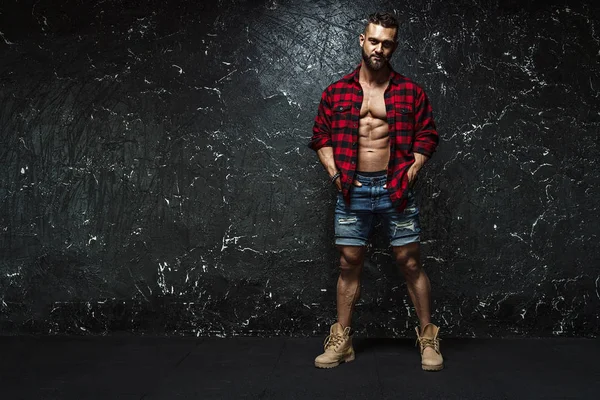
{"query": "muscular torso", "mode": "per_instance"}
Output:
(373, 135)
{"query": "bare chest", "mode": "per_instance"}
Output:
(373, 104)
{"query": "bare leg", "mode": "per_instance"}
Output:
(419, 288)
(348, 285)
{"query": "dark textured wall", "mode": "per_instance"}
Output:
(155, 176)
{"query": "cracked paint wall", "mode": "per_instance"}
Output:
(155, 175)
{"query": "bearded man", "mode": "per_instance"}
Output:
(373, 133)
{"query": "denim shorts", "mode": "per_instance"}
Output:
(369, 203)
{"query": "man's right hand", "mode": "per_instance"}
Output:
(338, 184)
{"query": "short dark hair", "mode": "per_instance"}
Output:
(385, 19)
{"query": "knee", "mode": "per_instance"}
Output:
(409, 265)
(350, 263)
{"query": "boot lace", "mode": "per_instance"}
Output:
(332, 341)
(427, 342)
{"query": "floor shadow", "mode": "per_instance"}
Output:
(381, 344)
(390, 345)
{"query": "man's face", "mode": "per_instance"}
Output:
(378, 45)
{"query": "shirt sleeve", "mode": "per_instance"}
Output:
(322, 128)
(426, 135)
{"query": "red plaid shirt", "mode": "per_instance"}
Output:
(411, 129)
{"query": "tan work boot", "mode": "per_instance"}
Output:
(431, 358)
(338, 348)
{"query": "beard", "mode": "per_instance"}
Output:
(373, 63)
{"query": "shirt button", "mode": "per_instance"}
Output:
(354, 144)
(360, 92)
(353, 162)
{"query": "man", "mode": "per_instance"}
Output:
(373, 133)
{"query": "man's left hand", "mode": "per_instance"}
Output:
(414, 169)
(412, 174)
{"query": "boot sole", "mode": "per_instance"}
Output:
(333, 365)
(432, 367)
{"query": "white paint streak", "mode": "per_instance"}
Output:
(538, 168)
(180, 69)
(535, 223)
(519, 237)
(249, 249)
(142, 293)
(227, 240)
(438, 259)
(8, 42)
(226, 76)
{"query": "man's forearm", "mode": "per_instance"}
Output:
(326, 157)
(420, 159)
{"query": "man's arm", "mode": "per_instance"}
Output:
(326, 157)
(321, 138)
(426, 136)
(414, 169)
(322, 127)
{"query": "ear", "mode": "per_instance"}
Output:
(361, 39)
